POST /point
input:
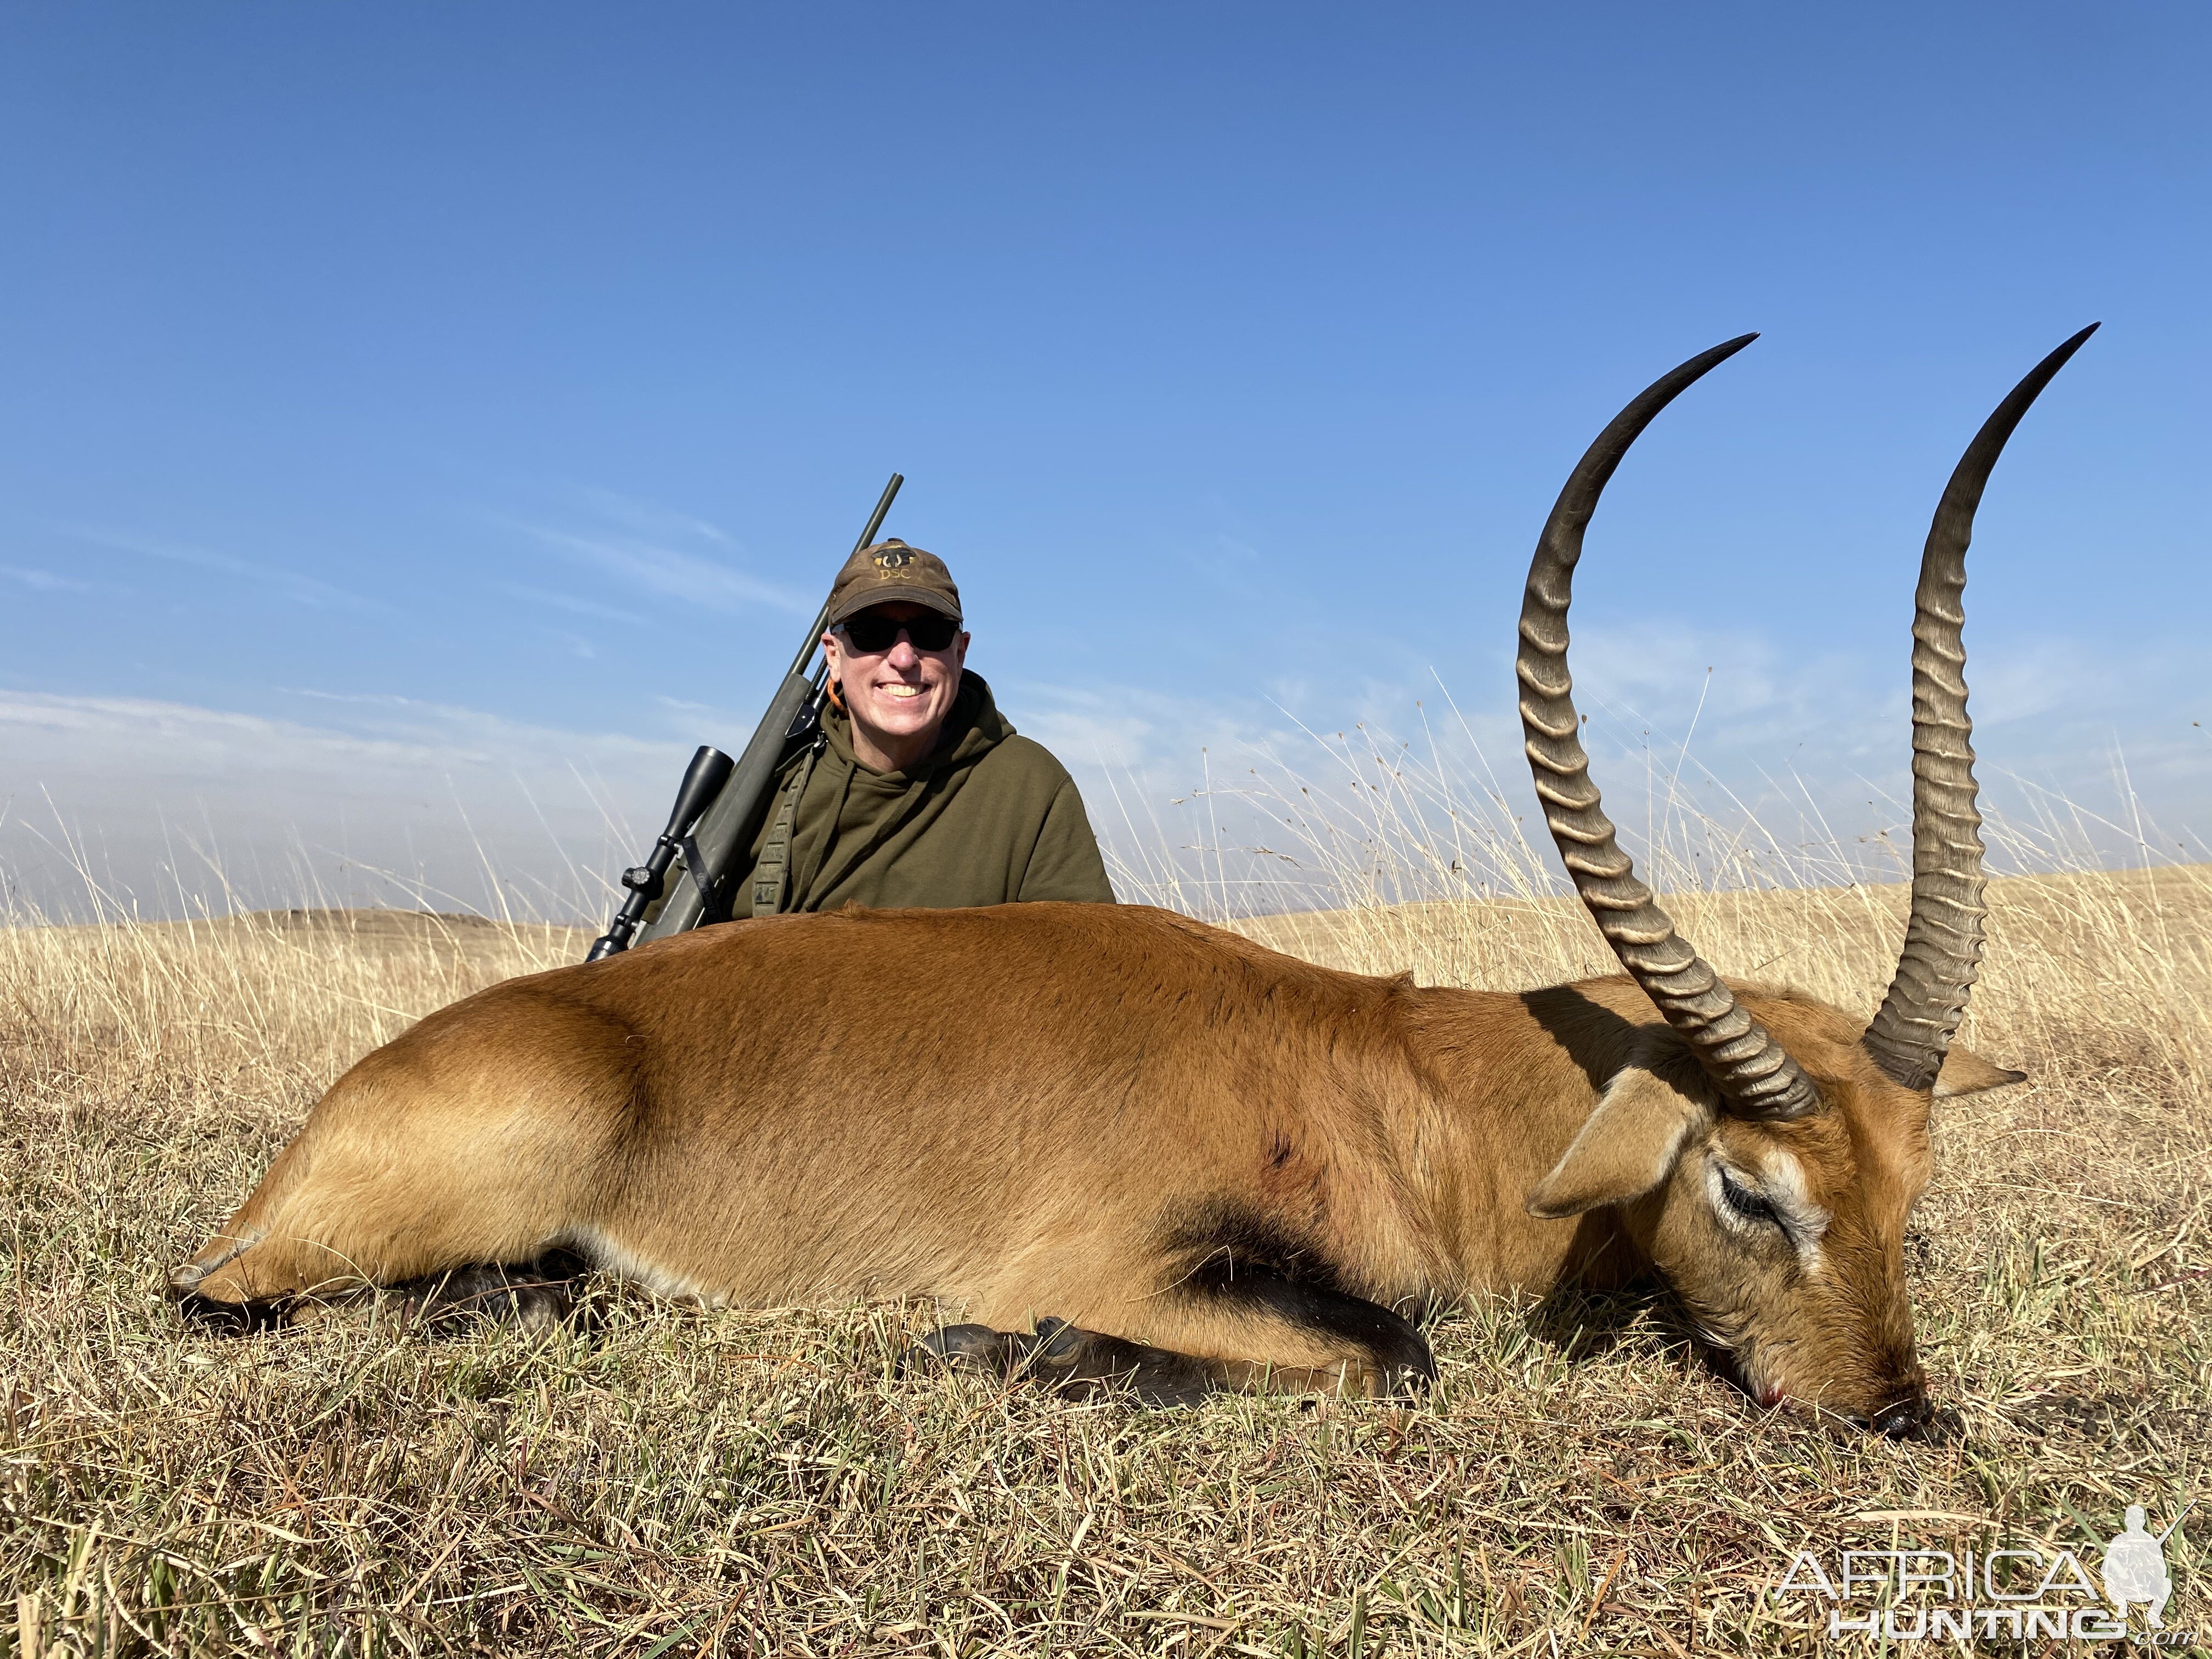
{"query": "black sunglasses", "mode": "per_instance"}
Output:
(871, 632)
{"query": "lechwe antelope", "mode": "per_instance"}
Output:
(1172, 1155)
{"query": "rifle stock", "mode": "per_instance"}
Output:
(729, 825)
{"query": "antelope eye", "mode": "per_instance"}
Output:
(1744, 1201)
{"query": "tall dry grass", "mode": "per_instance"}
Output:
(1375, 855)
(763, 1482)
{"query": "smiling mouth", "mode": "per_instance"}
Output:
(899, 690)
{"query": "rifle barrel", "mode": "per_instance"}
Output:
(806, 647)
(728, 826)
(2177, 1520)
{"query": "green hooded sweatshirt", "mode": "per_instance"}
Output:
(989, 819)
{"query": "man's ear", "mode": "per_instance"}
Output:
(1965, 1072)
(1627, 1148)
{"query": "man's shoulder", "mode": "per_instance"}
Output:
(1017, 757)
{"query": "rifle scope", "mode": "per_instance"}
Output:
(703, 779)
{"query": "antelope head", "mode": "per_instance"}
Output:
(1764, 1151)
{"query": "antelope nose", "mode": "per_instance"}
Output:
(1903, 1415)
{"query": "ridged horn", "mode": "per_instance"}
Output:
(1755, 1077)
(1943, 952)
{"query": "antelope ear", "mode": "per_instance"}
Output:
(1627, 1147)
(1965, 1072)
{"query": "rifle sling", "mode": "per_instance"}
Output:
(703, 878)
(772, 875)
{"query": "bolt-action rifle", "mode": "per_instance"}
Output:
(720, 808)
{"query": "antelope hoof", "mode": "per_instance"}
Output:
(535, 1296)
(1087, 1364)
(1080, 1364)
(962, 1348)
(229, 1318)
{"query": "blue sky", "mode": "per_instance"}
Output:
(421, 425)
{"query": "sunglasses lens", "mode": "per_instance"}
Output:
(871, 634)
(932, 633)
(874, 634)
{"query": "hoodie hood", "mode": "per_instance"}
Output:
(988, 819)
(973, 727)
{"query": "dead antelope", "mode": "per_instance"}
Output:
(1175, 1156)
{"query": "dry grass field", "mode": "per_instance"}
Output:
(679, 1482)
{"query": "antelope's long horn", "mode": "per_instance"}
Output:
(1754, 1075)
(1942, 951)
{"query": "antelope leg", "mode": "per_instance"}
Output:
(533, 1295)
(1085, 1363)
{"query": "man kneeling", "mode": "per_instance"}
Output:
(917, 792)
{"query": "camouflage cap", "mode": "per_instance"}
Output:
(891, 570)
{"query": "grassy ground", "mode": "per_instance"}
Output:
(762, 1482)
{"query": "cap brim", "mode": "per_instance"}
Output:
(891, 593)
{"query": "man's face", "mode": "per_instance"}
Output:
(898, 697)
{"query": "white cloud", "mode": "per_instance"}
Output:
(1684, 726)
(44, 581)
(301, 590)
(650, 519)
(569, 603)
(1816, 745)
(671, 572)
(310, 809)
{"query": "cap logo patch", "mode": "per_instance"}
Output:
(894, 558)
